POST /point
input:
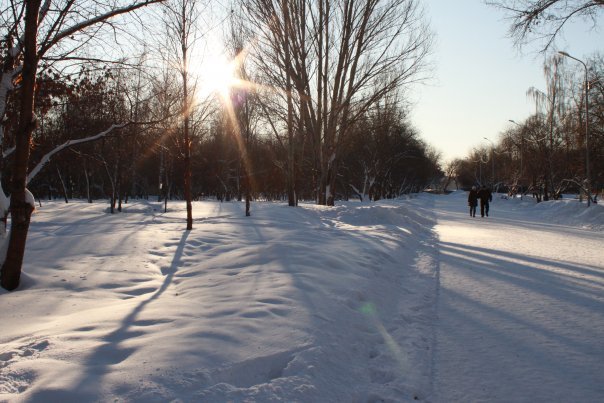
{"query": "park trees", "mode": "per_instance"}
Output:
(550, 106)
(546, 154)
(333, 61)
(385, 157)
(38, 30)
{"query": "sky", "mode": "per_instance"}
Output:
(480, 79)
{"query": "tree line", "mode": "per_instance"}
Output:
(384, 157)
(558, 149)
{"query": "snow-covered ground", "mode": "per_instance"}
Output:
(308, 304)
(520, 303)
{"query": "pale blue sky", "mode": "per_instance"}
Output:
(480, 78)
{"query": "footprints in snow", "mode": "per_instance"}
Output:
(15, 380)
(389, 339)
(27, 350)
(261, 308)
(267, 307)
(255, 371)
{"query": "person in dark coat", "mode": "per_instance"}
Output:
(473, 201)
(485, 197)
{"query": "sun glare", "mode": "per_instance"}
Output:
(217, 76)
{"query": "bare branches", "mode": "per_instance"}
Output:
(61, 28)
(334, 60)
(70, 143)
(543, 20)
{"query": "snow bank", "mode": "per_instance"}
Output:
(566, 211)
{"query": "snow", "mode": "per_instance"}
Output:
(4, 202)
(529, 294)
(29, 198)
(353, 303)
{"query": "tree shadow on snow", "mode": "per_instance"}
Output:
(112, 352)
(530, 322)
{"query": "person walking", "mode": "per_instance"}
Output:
(473, 201)
(485, 197)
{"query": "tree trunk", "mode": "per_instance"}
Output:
(118, 187)
(161, 183)
(112, 182)
(187, 181)
(87, 175)
(187, 145)
(19, 209)
(62, 185)
(118, 175)
(330, 195)
(248, 199)
(11, 269)
(291, 174)
(322, 185)
(166, 198)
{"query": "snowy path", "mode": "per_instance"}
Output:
(520, 308)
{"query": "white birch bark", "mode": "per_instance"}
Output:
(46, 158)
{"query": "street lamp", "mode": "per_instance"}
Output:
(521, 151)
(588, 182)
(479, 162)
(492, 160)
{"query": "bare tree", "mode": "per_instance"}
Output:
(452, 169)
(36, 30)
(334, 60)
(269, 21)
(242, 108)
(552, 102)
(384, 154)
(181, 20)
(546, 154)
(544, 20)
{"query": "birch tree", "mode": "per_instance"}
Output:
(36, 30)
(552, 103)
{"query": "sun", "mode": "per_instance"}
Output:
(217, 76)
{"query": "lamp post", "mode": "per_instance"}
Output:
(587, 180)
(521, 151)
(492, 161)
(479, 161)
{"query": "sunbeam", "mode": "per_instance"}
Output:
(230, 83)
